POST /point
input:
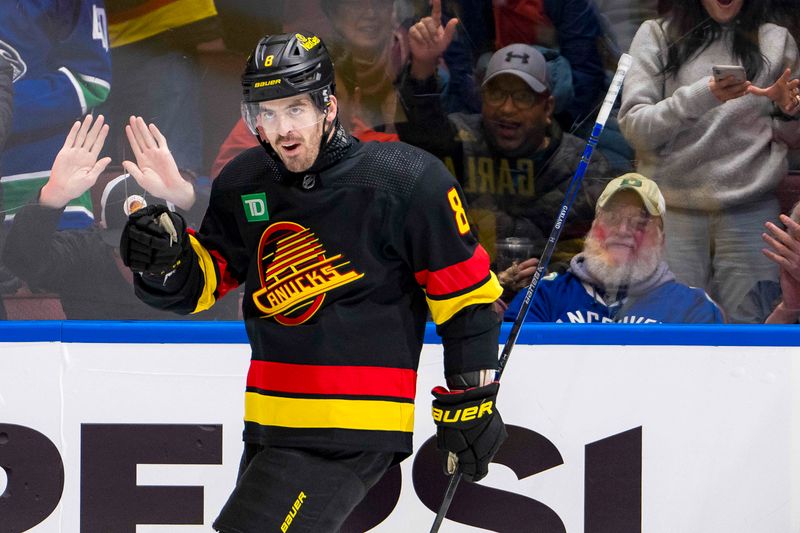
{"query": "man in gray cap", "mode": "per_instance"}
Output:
(513, 162)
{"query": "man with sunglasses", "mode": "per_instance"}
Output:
(512, 160)
(621, 275)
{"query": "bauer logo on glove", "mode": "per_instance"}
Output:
(463, 414)
(468, 426)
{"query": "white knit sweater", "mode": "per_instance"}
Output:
(705, 154)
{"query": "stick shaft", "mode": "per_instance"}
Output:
(572, 191)
(569, 198)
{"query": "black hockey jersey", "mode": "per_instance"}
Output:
(340, 270)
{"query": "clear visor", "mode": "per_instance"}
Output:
(279, 116)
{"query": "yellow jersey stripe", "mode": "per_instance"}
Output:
(207, 298)
(373, 415)
(443, 310)
(173, 15)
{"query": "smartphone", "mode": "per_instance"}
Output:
(723, 71)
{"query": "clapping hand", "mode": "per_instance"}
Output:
(155, 168)
(76, 167)
(784, 92)
(784, 249)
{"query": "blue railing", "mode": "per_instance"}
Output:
(168, 332)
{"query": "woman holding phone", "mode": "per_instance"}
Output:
(716, 145)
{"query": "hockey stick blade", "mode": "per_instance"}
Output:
(572, 190)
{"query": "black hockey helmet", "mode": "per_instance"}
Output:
(285, 65)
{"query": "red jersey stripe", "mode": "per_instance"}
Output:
(332, 380)
(455, 277)
(119, 15)
(226, 282)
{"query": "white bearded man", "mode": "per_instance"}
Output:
(621, 274)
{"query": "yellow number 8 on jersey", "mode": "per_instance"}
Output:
(458, 209)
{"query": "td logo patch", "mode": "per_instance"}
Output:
(255, 207)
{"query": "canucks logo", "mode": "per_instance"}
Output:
(296, 273)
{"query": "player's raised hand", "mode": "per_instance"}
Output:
(428, 39)
(784, 92)
(76, 167)
(155, 168)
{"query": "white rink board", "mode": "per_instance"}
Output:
(720, 425)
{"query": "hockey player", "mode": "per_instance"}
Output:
(339, 245)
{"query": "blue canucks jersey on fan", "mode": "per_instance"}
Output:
(565, 298)
(62, 69)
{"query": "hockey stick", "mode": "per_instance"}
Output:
(572, 191)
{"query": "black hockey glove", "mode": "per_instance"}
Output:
(468, 425)
(154, 240)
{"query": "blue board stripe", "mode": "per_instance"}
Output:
(233, 333)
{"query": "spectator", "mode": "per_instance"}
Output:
(778, 302)
(368, 54)
(62, 69)
(83, 266)
(570, 26)
(621, 275)
(512, 160)
(6, 97)
(154, 47)
(716, 148)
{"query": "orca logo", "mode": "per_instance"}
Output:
(11, 55)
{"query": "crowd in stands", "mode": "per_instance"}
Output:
(678, 220)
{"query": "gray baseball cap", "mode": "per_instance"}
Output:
(523, 61)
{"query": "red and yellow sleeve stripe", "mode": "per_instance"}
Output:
(217, 281)
(457, 286)
(341, 397)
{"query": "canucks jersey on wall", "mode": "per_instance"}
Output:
(62, 70)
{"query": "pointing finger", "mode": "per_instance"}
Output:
(436, 11)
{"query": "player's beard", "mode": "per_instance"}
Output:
(308, 151)
(638, 268)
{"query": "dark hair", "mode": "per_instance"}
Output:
(786, 13)
(690, 30)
